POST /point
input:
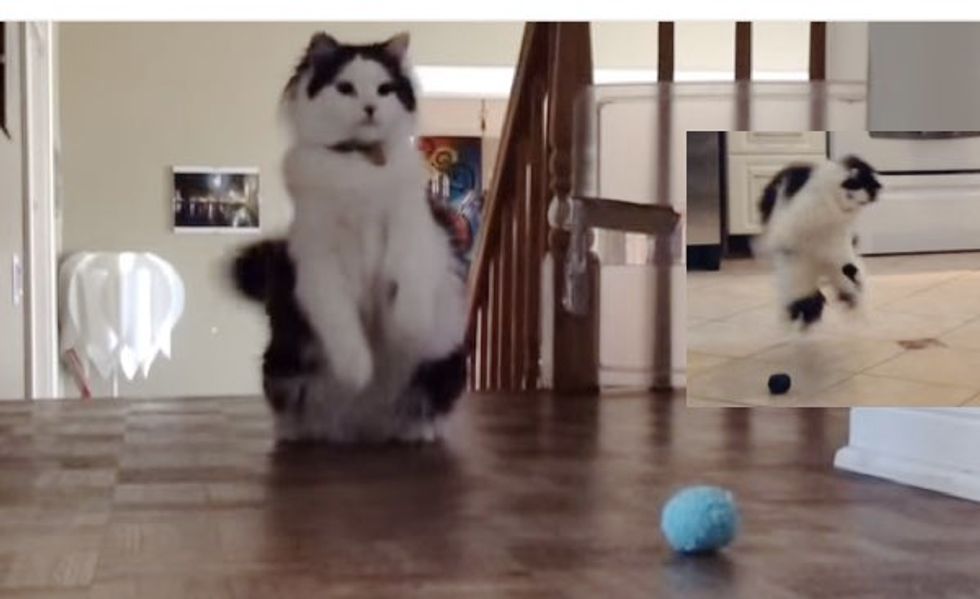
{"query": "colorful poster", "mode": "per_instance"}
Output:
(455, 185)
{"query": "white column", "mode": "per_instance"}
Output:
(38, 119)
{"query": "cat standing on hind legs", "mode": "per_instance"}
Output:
(375, 310)
(809, 212)
(294, 368)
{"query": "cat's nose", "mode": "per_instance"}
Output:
(369, 109)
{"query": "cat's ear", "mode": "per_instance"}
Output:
(322, 44)
(398, 45)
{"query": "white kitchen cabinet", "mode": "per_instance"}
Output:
(777, 142)
(754, 157)
(930, 196)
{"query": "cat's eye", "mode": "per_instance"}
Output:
(346, 88)
(385, 88)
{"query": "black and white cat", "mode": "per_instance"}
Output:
(809, 212)
(365, 298)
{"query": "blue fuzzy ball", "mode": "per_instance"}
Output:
(700, 519)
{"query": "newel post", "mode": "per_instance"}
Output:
(575, 347)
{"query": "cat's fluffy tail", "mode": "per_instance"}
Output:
(255, 267)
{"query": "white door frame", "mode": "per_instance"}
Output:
(37, 99)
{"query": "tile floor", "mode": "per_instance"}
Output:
(917, 343)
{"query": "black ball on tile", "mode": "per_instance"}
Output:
(779, 383)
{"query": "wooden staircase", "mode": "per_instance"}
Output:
(530, 199)
(533, 179)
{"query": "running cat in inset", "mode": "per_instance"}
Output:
(809, 212)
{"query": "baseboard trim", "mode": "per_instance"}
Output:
(932, 477)
(934, 449)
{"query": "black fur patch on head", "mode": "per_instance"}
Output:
(850, 271)
(790, 179)
(854, 241)
(860, 176)
(809, 309)
(325, 57)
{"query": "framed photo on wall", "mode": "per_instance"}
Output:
(455, 184)
(211, 199)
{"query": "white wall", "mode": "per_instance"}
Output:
(709, 46)
(780, 46)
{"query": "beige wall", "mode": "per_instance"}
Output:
(11, 227)
(137, 99)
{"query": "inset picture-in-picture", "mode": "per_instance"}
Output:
(833, 268)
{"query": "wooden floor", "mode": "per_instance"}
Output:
(529, 497)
